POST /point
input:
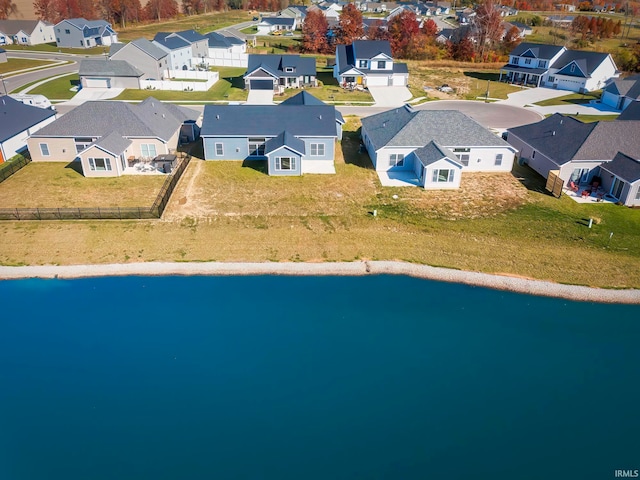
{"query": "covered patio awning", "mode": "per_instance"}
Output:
(520, 69)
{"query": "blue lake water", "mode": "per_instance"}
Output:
(377, 377)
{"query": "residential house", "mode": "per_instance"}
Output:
(83, 33)
(295, 137)
(274, 24)
(368, 22)
(299, 12)
(147, 57)
(621, 92)
(523, 29)
(621, 178)
(565, 7)
(554, 66)
(368, 63)
(226, 51)
(432, 148)
(632, 112)
(465, 16)
(199, 43)
(561, 21)
(26, 32)
(179, 50)
(25, 120)
(3, 57)
(111, 138)
(278, 72)
(575, 151)
(106, 73)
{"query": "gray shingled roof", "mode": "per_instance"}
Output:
(274, 64)
(150, 48)
(287, 21)
(558, 137)
(284, 139)
(624, 167)
(627, 87)
(269, 120)
(586, 61)
(305, 98)
(16, 117)
(539, 50)
(608, 138)
(11, 27)
(406, 127)
(371, 48)
(113, 143)
(632, 112)
(217, 40)
(190, 36)
(108, 68)
(432, 152)
(83, 22)
(151, 118)
(169, 42)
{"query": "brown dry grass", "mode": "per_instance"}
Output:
(59, 185)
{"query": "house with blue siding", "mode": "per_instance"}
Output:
(83, 33)
(297, 136)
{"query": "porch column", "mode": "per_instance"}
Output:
(539, 78)
(500, 79)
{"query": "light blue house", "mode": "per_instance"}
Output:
(295, 137)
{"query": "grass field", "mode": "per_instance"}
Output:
(60, 185)
(58, 89)
(52, 47)
(200, 23)
(594, 118)
(571, 99)
(14, 64)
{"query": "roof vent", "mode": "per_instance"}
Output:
(561, 120)
(217, 117)
(163, 116)
(384, 124)
(153, 104)
(553, 134)
(320, 117)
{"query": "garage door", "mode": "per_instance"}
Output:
(98, 82)
(398, 80)
(378, 80)
(261, 85)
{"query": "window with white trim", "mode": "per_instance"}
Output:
(219, 149)
(82, 143)
(552, 79)
(443, 176)
(382, 65)
(256, 147)
(148, 150)
(542, 64)
(463, 158)
(362, 64)
(498, 159)
(396, 160)
(285, 163)
(100, 164)
(317, 149)
(527, 61)
(44, 149)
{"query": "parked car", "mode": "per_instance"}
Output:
(276, 33)
(255, 19)
(288, 34)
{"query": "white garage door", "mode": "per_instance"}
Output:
(378, 80)
(398, 80)
(94, 82)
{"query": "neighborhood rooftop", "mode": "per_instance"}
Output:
(116, 68)
(218, 40)
(275, 64)
(625, 167)
(406, 127)
(16, 117)
(11, 27)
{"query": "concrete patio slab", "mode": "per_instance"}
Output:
(528, 96)
(398, 179)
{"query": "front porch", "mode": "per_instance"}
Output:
(528, 77)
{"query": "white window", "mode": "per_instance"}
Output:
(443, 176)
(100, 164)
(498, 159)
(44, 149)
(256, 147)
(317, 149)
(219, 149)
(396, 160)
(288, 69)
(148, 150)
(285, 163)
(464, 159)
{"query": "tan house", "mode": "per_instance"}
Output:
(111, 138)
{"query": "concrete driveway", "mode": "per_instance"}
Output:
(260, 97)
(88, 94)
(528, 96)
(390, 96)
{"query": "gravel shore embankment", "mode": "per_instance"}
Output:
(499, 282)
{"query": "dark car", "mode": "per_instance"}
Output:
(255, 19)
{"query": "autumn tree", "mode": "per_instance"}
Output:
(7, 7)
(314, 32)
(350, 26)
(488, 27)
(511, 39)
(45, 10)
(462, 50)
(430, 28)
(75, 9)
(159, 9)
(403, 29)
(377, 31)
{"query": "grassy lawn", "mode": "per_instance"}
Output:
(14, 64)
(230, 87)
(329, 90)
(51, 47)
(201, 23)
(60, 185)
(594, 118)
(276, 44)
(58, 89)
(571, 99)
(224, 211)
(469, 80)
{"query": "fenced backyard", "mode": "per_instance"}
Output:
(125, 190)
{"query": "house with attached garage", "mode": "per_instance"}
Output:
(180, 53)
(17, 122)
(226, 50)
(297, 136)
(146, 56)
(554, 66)
(105, 73)
(431, 148)
(111, 138)
(277, 72)
(276, 24)
(577, 152)
(83, 33)
(26, 32)
(368, 63)
(621, 92)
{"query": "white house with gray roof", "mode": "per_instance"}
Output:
(226, 50)
(432, 148)
(368, 62)
(83, 33)
(273, 24)
(104, 73)
(146, 56)
(26, 32)
(111, 138)
(621, 92)
(179, 50)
